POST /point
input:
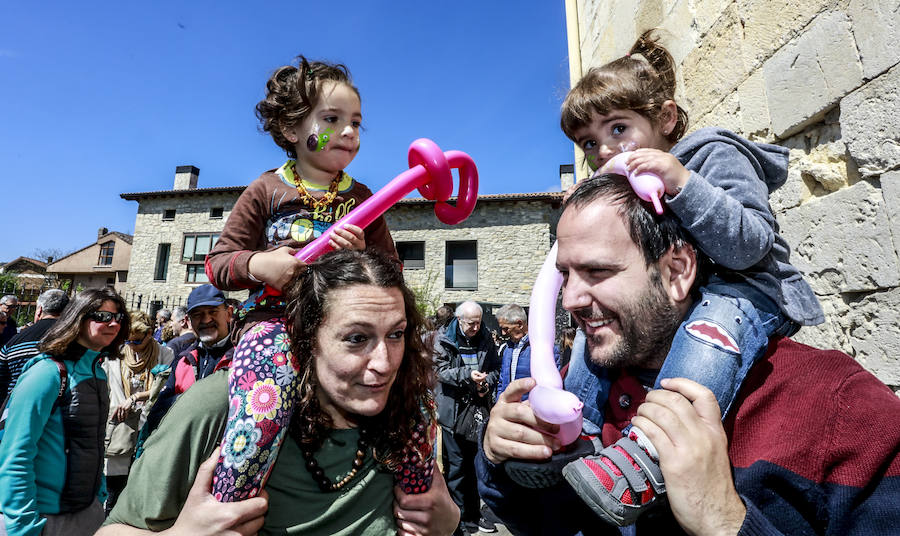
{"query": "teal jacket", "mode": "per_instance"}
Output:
(37, 476)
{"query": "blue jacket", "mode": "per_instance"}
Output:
(725, 208)
(51, 457)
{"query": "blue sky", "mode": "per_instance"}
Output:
(100, 98)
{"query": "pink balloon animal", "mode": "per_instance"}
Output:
(549, 401)
(647, 186)
(429, 171)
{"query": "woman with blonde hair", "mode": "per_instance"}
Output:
(130, 380)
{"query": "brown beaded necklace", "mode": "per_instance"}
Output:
(306, 197)
(325, 483)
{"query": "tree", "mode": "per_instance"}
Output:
(49, 254)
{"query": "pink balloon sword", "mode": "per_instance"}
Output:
(430, 172)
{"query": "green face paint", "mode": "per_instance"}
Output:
(323, 139)
(591, 162)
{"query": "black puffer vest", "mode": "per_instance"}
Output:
(84, 410)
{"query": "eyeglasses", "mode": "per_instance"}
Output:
(137, 341)
(106, 317)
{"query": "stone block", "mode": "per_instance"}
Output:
(831, 334)
(755, 122)
(715, 68)
(726, 114)
(876, 26)
(792, 192)
(890, 190)
(874, 333)
(706, 13)
(870, 118)
(812, 73)
(769, 24)
(839, 241)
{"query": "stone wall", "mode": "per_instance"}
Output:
(513, 239)
(821, 77)
(192, 215)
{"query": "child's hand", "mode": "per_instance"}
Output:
(349, 237)
(660, 163)
(275, 268)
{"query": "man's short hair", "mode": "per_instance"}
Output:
(179, 312)
(512, 313)
(165, 313)
(653, 233)
(5, 300)
(53, 301)
(468, 306)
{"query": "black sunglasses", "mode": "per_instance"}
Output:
(106, 316)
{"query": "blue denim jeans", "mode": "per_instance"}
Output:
(723, 334)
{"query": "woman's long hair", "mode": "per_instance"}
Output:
(67, 328)
(410, 401)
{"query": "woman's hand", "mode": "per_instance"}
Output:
(275, 268)
(348, 237)
(662, 164)
(423, 514)
(123, 411)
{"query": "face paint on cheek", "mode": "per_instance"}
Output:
(312, 142)
(591, 162)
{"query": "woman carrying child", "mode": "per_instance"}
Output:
(717, 184)
(313, 112)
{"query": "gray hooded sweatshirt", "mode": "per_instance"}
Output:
(725, 208)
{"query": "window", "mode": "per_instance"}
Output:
(106, 253)
(169, 214)
(215, 213)
(412, 254)
(196, 246)
(162, 262)
(461, 270)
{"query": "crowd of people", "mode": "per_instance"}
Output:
(326, 403)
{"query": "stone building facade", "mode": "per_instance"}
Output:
(821, 77)
(173, 231)
(493, 257)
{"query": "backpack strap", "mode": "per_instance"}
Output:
(63, 381)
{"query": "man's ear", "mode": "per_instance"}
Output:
(678, 270)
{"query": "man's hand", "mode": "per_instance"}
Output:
(514, 431)
(275, 268)
(203, 515)
(663, 164)
(423, 514)
(348, 237)
(683, 422)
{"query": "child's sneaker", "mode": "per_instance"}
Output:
(620, 483)
(548, 473)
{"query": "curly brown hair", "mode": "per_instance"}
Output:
(411, 399)
(641, 81)
(291, 94)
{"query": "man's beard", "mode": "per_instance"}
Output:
(209, 334)
(647, 324)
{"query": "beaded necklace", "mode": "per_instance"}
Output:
(325, 483)
(306, 197)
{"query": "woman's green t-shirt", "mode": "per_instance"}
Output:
(162, 477)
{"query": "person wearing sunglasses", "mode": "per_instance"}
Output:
(130, 379)
(51, 452)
